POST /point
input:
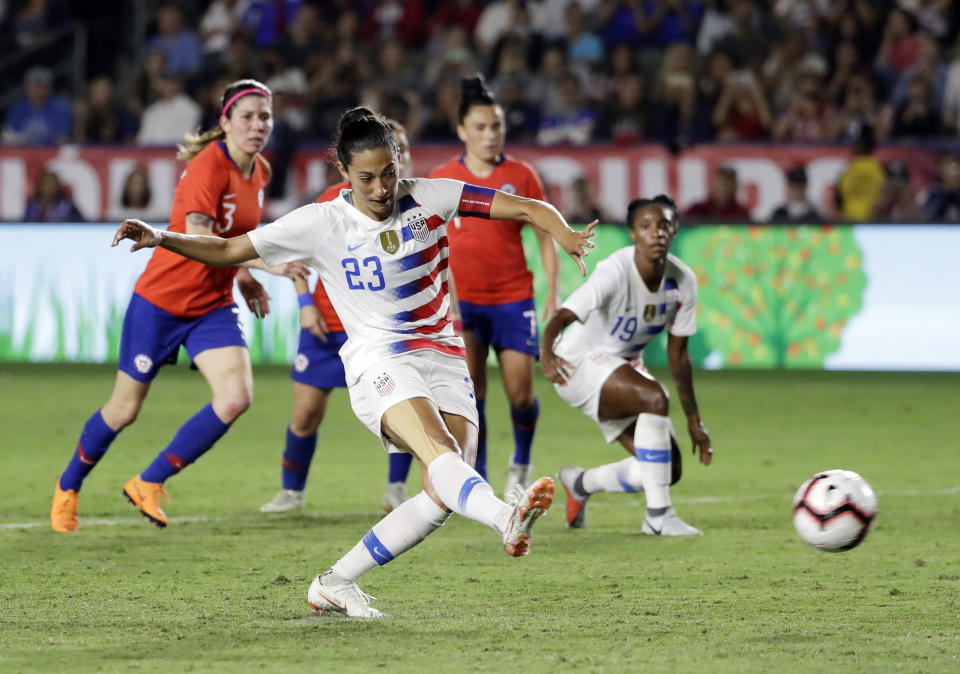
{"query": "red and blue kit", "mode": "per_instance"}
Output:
(179, 301)
(494, 285)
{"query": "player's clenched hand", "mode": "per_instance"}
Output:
(312, 321)
(577, 244)
(142, 234)
(256, 296)
(555, 368)
(701, 441)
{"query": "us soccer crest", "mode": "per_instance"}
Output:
(384, 384)
(390, 241)
(649, 312)
(419, 229)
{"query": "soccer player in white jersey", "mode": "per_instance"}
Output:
(381, 251)
(597, 366)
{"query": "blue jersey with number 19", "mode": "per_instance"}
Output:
(619, 315)
(387, 280)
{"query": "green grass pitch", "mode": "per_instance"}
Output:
(223, 587)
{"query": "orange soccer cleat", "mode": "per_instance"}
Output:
(63, 513)
(146, 496)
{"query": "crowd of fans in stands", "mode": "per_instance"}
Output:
(567, 72)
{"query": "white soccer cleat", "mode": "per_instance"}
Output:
(668, 524)
(393, 496)
(285, 501)
(576, 503)
(342, 598)
(534, 503)
(518, 479)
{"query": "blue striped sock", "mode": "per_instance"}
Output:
(195, 437)
(481, 465)
(399, 467)
(95, 439)
(524, 426)
(296, 459)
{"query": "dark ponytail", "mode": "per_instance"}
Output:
(362, 129)
(473, 91)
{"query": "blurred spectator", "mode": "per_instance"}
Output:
(780, 69)
(622, 115)
(571, 121)
(942, 202)
(666, 22)
(619, 23)
(928, 65)
(804, 120)
(545, 87)
(442, 115)
(219, 23)
(710, 85)
(916, 116)
(136, 199)
(522, 118)
(39, 117)
(36, 20)
(289, 125)
(951, 97)
(746, 41)
(674, 97)
(100, 119)
(402, 20)
(797, 208)
(454, 58)
(716, 23)
(145, 86)
(51, 201)
(583, 207)
(896, 202)
(266, 21)
(742, 112)
(846, 63)
(620, 66)
(583, 46)
(495, 21)
(305, 40)
(862, 180)
(167, 120)
(461, 13)
(722, 202)
(183, 54)
(898, 49)
(858, 108)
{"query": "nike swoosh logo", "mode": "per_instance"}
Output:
(230, 196)
(353, 248)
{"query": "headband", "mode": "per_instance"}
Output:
(244, 92)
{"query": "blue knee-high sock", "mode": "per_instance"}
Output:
(94, 441)
(194, 438)
(399, 467)
(296, 459)
(481, 465)
(524, 426)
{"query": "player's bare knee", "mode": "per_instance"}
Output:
(521, 399)
(305, 422)
(229, 408)
(119, 414)
(654, 399)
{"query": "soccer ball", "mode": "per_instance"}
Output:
(834, 510)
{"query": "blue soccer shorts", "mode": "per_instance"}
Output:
(504, 326)
(152, 337)
(318, 362)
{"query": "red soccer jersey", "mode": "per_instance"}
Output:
(211, 184)
(486, 256)
(319, 293)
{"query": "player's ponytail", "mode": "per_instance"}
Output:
(473, 91)
(195, 142)
(362, 129)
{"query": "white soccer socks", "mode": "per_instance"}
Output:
(651, 443)
(405, 526)
(622, 476)
(462, 490)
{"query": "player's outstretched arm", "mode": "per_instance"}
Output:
(544, 216)
(555, 368)
(211, 250)
(682, 370)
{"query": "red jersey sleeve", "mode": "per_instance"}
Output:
(320, 297)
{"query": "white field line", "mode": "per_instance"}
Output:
(138, 521)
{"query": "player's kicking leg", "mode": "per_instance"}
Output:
(449, 481)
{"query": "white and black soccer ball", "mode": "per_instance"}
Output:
(834, 510)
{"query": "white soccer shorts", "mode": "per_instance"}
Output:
(418, 374)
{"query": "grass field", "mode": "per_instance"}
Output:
(223, 588)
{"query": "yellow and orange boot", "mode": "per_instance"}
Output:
(146, 496)
(63, 513)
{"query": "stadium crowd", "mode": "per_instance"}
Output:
(567, 72)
